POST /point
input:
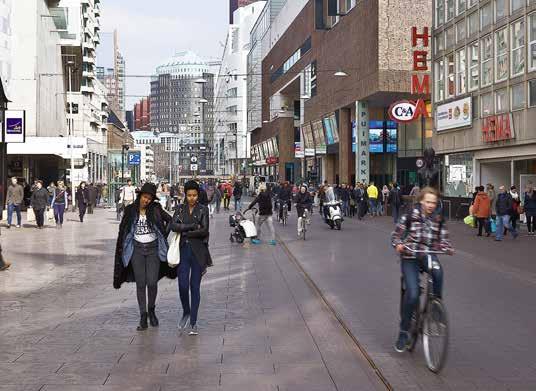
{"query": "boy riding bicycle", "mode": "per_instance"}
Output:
(421, 231)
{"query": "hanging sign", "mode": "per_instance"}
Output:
(15, 126)
(298, 150)
(362, 158)
(420, 84)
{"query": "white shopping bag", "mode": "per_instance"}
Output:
(174, 251)
(30, 215)
(50, 214)
(4, 214)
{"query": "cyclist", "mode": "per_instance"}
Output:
(303, 201)
(416, 233)
(284, 196)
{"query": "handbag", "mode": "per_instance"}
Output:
(50, 214)
(492, 225)
(520, 209)
(30, 215)
(4, 214)
(174, 251)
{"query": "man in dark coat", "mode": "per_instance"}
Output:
(82, 200)
(39, 202)
(92, 198)
(395, 201)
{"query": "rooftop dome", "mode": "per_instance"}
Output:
(182, 63)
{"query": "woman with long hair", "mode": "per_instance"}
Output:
(59, 203)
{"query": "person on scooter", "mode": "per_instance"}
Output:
(303, 201)
(421, 231)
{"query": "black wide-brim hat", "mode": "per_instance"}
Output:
(149, 188)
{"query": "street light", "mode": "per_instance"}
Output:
(203, 100)
(200, 81)
(340, 74)
(70, 65)
(124, 147)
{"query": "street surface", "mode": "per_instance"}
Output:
(489, 294)
(64, 328)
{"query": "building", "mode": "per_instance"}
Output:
(5, 49)
(182, 103)
(120, 142)
(113, 75)
(142, 114)
(232, 140)
(319, 90)
(484, 81)
(236, 4)
(147, 172)
(129, 119)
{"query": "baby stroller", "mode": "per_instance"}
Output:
(243, 227)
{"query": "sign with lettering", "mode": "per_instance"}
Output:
(454, 114)
(498, 127)
(362, 156)
(420, 84)
(15, 126)
(407, 111)
(134, 158)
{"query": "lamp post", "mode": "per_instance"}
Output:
(202, 82)
(124, 147)
(70, 65)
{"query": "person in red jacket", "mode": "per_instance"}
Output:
(482, 210)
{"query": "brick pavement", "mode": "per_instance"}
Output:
(63, 326)
(489, 293)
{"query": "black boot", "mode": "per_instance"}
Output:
(143, 322)
(152, 318)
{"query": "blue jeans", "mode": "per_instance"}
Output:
(10, 209)
(190, 274)
(373, 202)
(346, 208)
(410, 274)
(502, 223)
(238, 204)
(59, 210)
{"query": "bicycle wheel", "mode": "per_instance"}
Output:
(304, 227)
(435, 335)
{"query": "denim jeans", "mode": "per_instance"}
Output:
(373, 202)
(238, 204)
(502, 223)
(269, 221)
(59, 210)
(10, 209)
(346, 208)
(190, 274)
(410, 274)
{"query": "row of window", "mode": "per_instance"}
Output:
(493, 58)
(504, 100)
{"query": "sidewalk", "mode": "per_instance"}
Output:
(261, 325)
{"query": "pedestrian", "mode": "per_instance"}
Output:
(264, 200)
(4, 265)
(141, 251)
(362, 201)
(490, 189)
(92, 198)
(372, 192)
(504, 209)
(60, 202)
(118, 203)
(82, 200)
(237, 194)
(227, 192)
(217, 198)
(99, 194)
(395, 201)
(50, 189)
(516, 202)
(353, 202)
(14, 199)
(344, 196)
(384, 200)
(203, 197)
(322, 198)
(39, 202)
(128, 194)
(162, 194)
(530, 208)
(191, 221)
(482, 211)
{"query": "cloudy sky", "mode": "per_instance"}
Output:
(151, 31)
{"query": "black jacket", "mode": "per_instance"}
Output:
(158, 218)
(264, 199)
(203, 198)
(82, 196)
(344, 194)
(285, 193)
(92, 194)
(303, 200)
(237, 191)
(394, 197)
(39, 199)
(504, 204)
(197, 234)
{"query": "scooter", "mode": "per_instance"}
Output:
(333, 215)
(243, 227)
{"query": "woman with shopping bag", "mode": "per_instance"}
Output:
(141, 251)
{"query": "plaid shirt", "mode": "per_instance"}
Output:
(424, 234)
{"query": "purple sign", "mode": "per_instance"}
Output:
(14, 126)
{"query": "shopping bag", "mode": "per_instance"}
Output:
(50, 214)
(30, 215)
(4, 214)
(470, 221)
(174, 251)
(493, 225)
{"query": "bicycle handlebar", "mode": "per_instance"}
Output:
(422, 251)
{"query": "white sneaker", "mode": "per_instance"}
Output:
(18, 225)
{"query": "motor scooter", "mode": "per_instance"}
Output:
(333, 214)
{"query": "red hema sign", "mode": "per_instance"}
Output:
(420, 84)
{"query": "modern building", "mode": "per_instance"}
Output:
(147, 172)
(129, 119)
(484, 79)
(236, 4)
(232, 140)
(326, 93)
(5, 49)
(142, 114)
(113, 75)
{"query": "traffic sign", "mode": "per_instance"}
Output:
(134, 158)
(193, 167)
(193, 159)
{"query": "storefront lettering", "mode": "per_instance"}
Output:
(497, 128)
(420, 84)
(362, 153)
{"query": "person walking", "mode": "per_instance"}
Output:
(14, 199)
(82, 200)
(372, 192)
(191, 221)
(141, 251)
(492, 194)
(50, 189)
(395, 201)
(504, 209)
(217, 198)
(384, 200)
(516, 202)
(211, 200)
(353, 201)
(237, 194)
(322, 198)
(60, 202)
(482, 211)
(128, 194)
(344, 196)
(227, 192)
(92, 198)
(529, 201)
(39, 202)
(264, 200)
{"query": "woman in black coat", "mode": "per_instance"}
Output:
(82, 200)
(191, 220)
(141, 251)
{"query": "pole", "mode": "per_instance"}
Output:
(73, 198)
(122, 165)
(170, 168)
(236, 153)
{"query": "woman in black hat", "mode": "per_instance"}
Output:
(141, 251)
(191, 220)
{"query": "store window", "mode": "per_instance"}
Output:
(460, 31)
(518, 47)
(439, 74)
(461, 6)
(517, 4)
(501, 9)
(501, 101)
(487, 60)
(486, 102)
(532, 42)
(450, 9)
(451, 79)
(518, 96)
(461, 72)
(458, 176)
(440, 13)
(486, 15)
(439, 42)
(472, 24)
(473, 66)
(501, 55)
(532, 93)
(450, 33)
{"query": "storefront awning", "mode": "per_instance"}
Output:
(58, 146)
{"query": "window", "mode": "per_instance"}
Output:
(439, 42)
(472, 24)
(532, 93)
(517, 4)
(460, 31)
(518, 47)
(473, 66)
(440, 13)
(485, 15)
(450, 37)
(472, 3)
(532, 41)
(451, 71)
(487, 61)
(439, 74)
(518, 96)
(486, 101)
(450, 9)
(501, 55)
(501, 101)
(461, 6)
(501, 9)
(461, 73)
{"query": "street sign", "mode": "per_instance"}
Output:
(134, 158)
(193, 167)
(193, 159)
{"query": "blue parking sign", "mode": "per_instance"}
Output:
(134, 158)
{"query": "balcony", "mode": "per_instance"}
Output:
(87, 89)
(88, 45)
(88, 74)
(96, 39)
(97, 10)
(104, 114)
(88, 59)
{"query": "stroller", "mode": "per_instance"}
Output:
(243, 227)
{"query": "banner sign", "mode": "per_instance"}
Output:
(15, 126)
(454, 114)
(320, 139)
(498, 127)
(298, 151)
(363, 157)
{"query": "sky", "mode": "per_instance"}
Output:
(151, 31)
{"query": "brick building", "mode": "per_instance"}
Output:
(142, 114)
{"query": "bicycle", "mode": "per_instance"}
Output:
(430, 319)
(283, 212)
(304, 223)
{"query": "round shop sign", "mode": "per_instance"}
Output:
(403, 111)
(419, 163)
